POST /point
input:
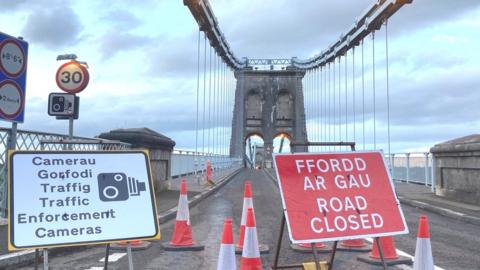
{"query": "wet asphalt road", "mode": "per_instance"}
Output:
(456, 244)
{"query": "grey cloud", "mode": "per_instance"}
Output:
(114, 42)
(122, 19)
(11, 5)
(175, 57)
(53, 26)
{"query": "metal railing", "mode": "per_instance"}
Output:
(188, 162)
(415, 167)
(183, 162)
(34, 140)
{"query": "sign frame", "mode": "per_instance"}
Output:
(74, 105)
(79, 88)
(19, 79)
(349, 237)
(11, 228)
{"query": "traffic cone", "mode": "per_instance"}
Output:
(134, 245)
(226, 256)
(247, 203)
(354, 245)
(250, 253)
(182, 238)
(423, 250)
(209, 174)
(389, 253)
(307, 247)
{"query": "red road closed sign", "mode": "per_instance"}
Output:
(336, 196)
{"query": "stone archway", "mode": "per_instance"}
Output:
(268, 102)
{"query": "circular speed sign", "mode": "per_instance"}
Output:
(12, 58)
(72, 77)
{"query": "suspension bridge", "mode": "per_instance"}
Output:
(247, 109)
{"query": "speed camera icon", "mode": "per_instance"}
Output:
(118, 187)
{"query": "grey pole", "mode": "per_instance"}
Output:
(426, 169)
(130, 259)
(408, 166)
(45, 259)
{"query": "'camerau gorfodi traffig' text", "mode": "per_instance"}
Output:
(63, 193)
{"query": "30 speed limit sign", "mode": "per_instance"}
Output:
(72, 77)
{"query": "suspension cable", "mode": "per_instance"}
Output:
(339, 100)
(317, 106)
(363, 96)
(325, 132)
(209, 99)
(320, 111)
(204, 92)
(197, 101)
(215, 78)
(346, 98)
(388, 90)
(334, 104)
(374, 94)
(331, 101)
(354, 101)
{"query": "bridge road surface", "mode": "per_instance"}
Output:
(456, 244)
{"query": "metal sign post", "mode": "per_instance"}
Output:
(129, 254)
(71, 77)
(45, 259)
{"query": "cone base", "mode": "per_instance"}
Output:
(366, 248)
(195, 247)
(262, 248)
(298, 248)
(401, 260)
(137, 246)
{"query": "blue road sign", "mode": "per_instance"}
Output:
(13, 74)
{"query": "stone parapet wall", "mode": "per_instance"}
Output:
(159, 146)
(457, 169)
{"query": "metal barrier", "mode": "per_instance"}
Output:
(188, 162)
(413, 167)
(183, 162)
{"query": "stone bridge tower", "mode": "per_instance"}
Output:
(268, 103)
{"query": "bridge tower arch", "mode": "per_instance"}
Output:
(268, 102)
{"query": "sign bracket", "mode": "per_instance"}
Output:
(314, 249)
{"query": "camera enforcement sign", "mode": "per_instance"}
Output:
(336, 196)
(76, 198)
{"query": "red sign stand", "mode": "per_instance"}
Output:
(336, 196)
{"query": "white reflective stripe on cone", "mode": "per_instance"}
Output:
(182, 211)
(250, 243)
(423, 255)
(247, 203)
(226, 258)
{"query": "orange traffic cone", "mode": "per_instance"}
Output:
(423, 250)
(247, 204)
(182, 238)
(250, 253)
(389, 253)
(209, 173)
(226, 256)
(134, 245)
(307, 247)
(354, 245)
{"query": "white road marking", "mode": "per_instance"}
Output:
(402, 253)
(95, 268)
(114, 257)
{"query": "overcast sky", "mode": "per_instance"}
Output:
(142, 58)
